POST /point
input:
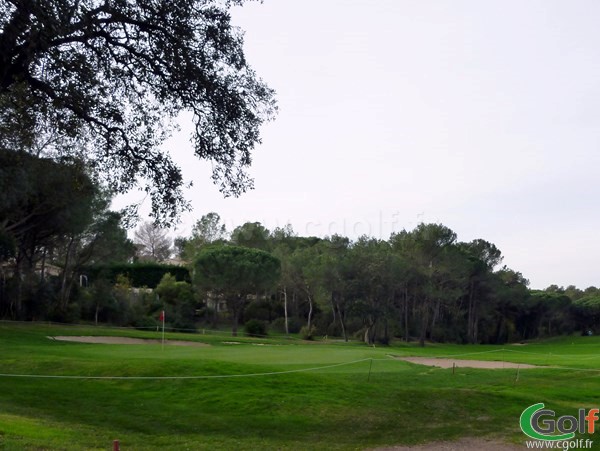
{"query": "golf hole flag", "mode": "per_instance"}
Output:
(161, 318)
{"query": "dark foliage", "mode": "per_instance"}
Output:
(140, 274)
(105, 80)
(255, 328)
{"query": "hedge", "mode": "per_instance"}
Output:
(140, 274)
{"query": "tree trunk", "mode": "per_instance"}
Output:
(470, 331)
(285, 310)
(333, 307)
(424, 323)
(310, 307)
(370, 332)
(499, 330)
(295, 302)
(475, 327)
(64, 291)
(341, 317)
(214, 312)
(234, 329)
(17, 301)
(406, 333)
(386, 331)
(237, 307)
(215, 315)
(43, 269)
(2, 291)
(436, 314)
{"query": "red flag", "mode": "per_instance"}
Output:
(161, 318)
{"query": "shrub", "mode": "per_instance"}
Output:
(308, 333)
(255, 328)
(278, 325)
(258, 309)
(173, 292)
(294, 325)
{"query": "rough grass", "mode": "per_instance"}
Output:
(335, 408)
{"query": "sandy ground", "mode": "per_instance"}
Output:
(464, 444)
(448, 363)
(126, 341)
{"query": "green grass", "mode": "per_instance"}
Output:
(333, 408)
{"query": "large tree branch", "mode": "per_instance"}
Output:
(9, 37)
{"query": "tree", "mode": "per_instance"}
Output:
(42, 198)
(549, 313)
(102, 241)
(251, 234)
(105, 80)
(153, 242)
(207, 230)
(482, 257)
(510, 300)
(282, 243)
(372, 284)
(335, 264)
(178, 300)
(234, 273)
(587, 308)
(431, 244)
(42, 202)
(305, 276)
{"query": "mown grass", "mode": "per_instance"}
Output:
(340, 407)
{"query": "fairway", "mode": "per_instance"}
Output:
(276, 393)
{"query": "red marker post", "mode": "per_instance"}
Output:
(162, 319)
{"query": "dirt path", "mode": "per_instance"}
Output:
(126, 341)
(449, 363)
(463, 444)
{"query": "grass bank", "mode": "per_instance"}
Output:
(368, 400)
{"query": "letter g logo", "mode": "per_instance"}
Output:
(530, 427)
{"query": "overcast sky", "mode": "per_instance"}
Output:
(481, 115)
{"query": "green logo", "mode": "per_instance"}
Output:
(530, 424)
(539, 423)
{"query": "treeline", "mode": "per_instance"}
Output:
(421, 285)
(65, 256)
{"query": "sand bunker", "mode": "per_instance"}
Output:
(126, 341)
(449, 363)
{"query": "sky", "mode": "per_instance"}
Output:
(484, 116)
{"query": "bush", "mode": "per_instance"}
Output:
(147, 323)
(173, 292)
(255, 328)
(258, 309)
(308, 333)
(294, 325)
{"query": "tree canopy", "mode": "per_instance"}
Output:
(42, 199)
(207, 230)
(235, 272)
(105, 79)
(152, 242)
